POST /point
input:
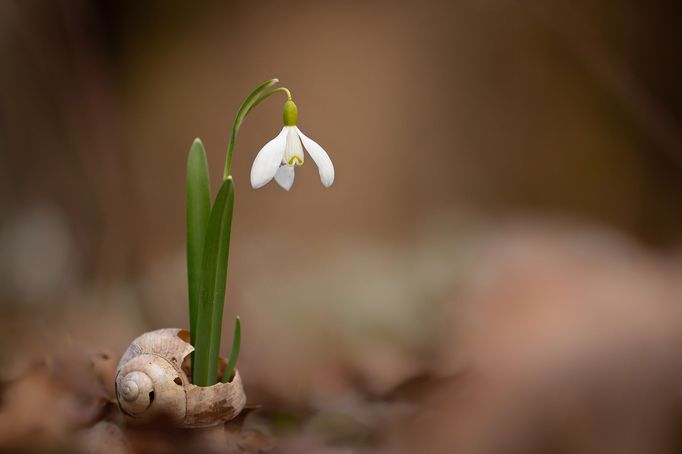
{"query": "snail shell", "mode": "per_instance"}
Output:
(151, 382)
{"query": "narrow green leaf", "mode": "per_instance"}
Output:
(241, 114)
(198, 211)
(214, 270)
(234, 354)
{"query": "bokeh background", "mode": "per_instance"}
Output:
(496, 268)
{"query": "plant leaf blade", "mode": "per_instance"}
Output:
(234, 353)
(198, 211)
(210, 313)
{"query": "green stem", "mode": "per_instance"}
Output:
(246, 107)
(268, 94)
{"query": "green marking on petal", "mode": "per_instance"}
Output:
(295, 160)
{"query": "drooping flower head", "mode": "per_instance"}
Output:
(279, 157)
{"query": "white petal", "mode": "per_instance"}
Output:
(321, 158)
(268, 160)
(285, 176)
(293, 151)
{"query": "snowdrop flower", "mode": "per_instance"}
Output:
(279, 157)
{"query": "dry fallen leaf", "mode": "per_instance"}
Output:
(103, 438)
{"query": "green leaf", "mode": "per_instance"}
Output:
(234, 354)
(243, 111)
(214, 270)
(198, 211)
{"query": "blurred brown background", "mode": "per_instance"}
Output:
(506, 212)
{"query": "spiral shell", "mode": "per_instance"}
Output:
(151, 382)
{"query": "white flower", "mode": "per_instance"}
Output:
(278, 158)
